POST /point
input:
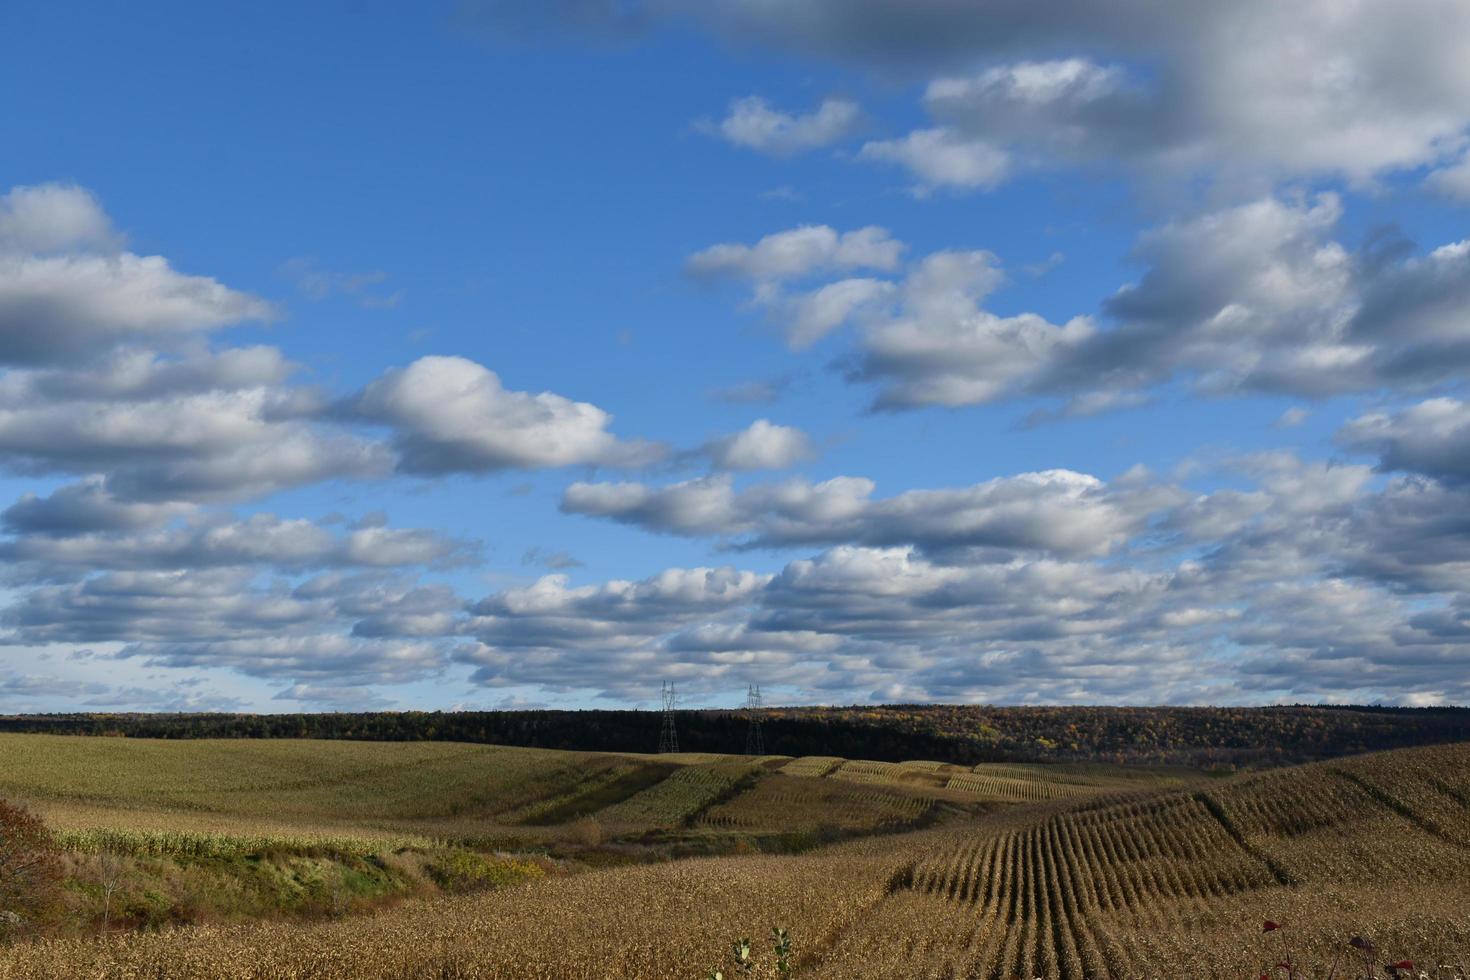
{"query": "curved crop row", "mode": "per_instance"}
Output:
(812, 765)
(1170, 883)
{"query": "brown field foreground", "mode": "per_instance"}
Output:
(1172, 882)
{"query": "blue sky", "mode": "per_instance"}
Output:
(1149, 345)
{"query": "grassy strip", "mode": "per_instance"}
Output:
(150, 887)
(174, 843)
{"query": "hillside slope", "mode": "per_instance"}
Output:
(464, 792)
(1177, 883)
(1147, 883)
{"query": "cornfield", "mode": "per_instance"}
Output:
(1176, 883)
(801, 803)
(1007, 790)
(678, 798)
(811, 765)
(1150, 881)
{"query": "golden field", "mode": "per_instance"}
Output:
(1078, 872)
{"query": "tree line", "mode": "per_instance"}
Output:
(965, 734)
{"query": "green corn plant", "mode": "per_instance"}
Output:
(743, 954)
(740, 950)
(781, 940)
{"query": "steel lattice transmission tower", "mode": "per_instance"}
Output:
(668, 738)
(755, 741)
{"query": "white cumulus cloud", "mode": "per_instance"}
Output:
(763, 445)
(753, 124)
(451, 414)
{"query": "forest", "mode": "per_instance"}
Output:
(1200, 737)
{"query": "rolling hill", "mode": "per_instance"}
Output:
(1094, 871)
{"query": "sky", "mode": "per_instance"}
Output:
(519, 353)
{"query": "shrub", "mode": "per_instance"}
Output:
(586, 831)
(462, 871)
(30, 872)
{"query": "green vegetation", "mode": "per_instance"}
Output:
(188, 844)
(460, 870)
(116, 890)
(745, 959)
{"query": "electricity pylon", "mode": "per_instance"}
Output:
(755, 742)
(668, 738)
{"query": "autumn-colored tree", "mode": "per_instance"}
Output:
(30, 872)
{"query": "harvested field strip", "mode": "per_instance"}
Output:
(1010, 790)
(987, 782)
(857, 767)
(1034, 784)
(65, 817)
(811, 765)
(865, 777)
(923, 766)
